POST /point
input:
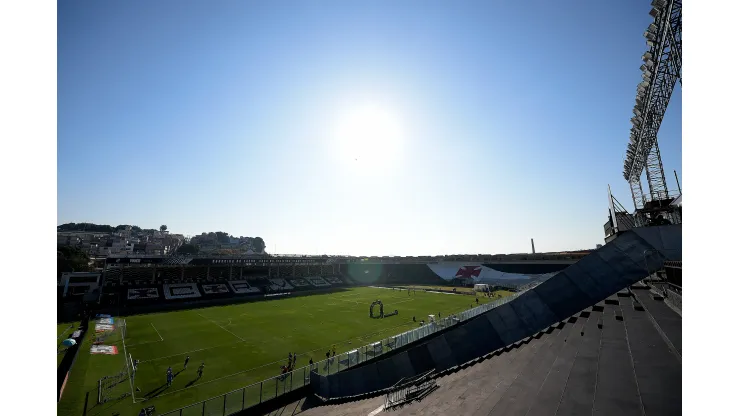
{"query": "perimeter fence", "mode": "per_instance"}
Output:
(257, 393)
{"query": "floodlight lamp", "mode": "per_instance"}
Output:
(650, 36)
(646, 76)
(658, 4)
(655, 12)
(650, 43)
(652, 28)
(649, 63)
(644, 84)
(646, 56)
(636, 111)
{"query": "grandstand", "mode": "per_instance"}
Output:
(129, 282)
(519, 338)
(593, 339)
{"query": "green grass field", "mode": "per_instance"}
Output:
(240, 345)
(63, 332)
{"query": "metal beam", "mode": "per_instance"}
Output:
(666, 53)
(637, 196)
(655, 174)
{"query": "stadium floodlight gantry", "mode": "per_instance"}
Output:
(661, 69)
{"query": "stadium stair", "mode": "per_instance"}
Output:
(593, 293)
(609, 359)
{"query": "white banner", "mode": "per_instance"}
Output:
(280, 284)
(104, 327)
(104, 349)
(241, 286)
(214, 289)
(181, 290)
(318, 281)
(143, 293)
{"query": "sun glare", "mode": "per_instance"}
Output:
(369, 136)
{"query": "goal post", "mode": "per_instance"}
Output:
(127, 358)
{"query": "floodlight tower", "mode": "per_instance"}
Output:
(660, 71)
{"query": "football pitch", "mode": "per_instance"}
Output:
(63, 331)
(240, 345)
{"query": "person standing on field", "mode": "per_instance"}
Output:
(186, 363)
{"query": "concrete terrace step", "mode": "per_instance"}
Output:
(657, 368)
(667, 319)
(487, 400)
(456, 388)
(616, 389)
(359, 407)
(551, 389)
(520, 394)
(577, 398)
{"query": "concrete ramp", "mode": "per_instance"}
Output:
(624, 261)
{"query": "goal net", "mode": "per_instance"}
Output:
(120, 384)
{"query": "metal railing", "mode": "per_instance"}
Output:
(408, 389)
(670, 292)
(257, 393)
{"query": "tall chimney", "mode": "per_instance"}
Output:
(532, 245)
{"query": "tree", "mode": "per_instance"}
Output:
(222, 237)
(83, 226)
(162, 228)
(71, 259)
(188, 249)
(259, 245)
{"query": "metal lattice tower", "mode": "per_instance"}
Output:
(660, 71)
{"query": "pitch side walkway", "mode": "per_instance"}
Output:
(610, 359)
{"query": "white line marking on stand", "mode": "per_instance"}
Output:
(376, 411)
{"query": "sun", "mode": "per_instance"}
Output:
(369, 136)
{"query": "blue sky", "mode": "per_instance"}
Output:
(507, 120)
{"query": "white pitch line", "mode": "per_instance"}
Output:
(350, 301)
(218, 325)
(155, 330)
(128, 371)
(376, 411)
(187, 352)
(64, 332)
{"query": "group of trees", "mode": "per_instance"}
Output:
(103, 228)
(71, 259)
(188, 249)
(218, 238)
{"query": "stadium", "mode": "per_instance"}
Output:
(580, 333)
(352, 327)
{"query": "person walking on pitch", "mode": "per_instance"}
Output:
(200, 369)
(186, 363)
